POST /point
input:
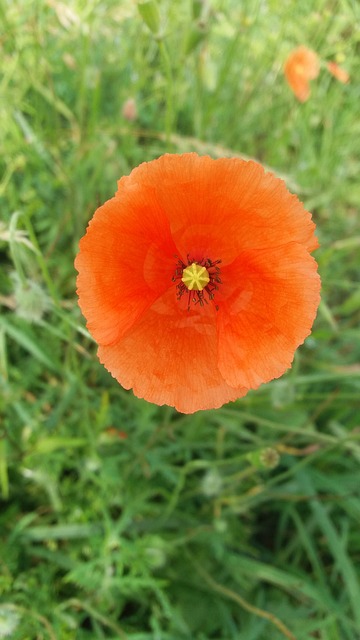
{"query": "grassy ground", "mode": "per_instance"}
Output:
(120, 519)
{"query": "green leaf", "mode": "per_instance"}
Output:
(149, 12)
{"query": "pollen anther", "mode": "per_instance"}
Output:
(195, 277)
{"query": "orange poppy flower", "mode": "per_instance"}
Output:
(301, 66)
(196, 280)
(338, 72)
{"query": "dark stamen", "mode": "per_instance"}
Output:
(194, 296)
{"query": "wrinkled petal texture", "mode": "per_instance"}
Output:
(170, 357)
(269, 307)
(193, 208)
(125, 263)
(301, 66)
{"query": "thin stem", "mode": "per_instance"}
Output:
(42, 262)
(232, 595)
(169, 115)
(14, 249)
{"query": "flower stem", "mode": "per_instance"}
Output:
(13, 247)
(169, 115)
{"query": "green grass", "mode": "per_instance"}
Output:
(120, 519)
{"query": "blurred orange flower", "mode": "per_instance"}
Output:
(338, 72)
(196, 280)
(301, 66)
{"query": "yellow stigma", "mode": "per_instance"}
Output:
(195, 277)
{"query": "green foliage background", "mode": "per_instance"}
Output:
(120, 519)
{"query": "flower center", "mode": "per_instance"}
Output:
(197, 278)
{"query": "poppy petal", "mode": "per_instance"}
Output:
(301, 66)
(170, 357)
(253, 209)
(338, 72)
(268, 304)
(123, 265)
